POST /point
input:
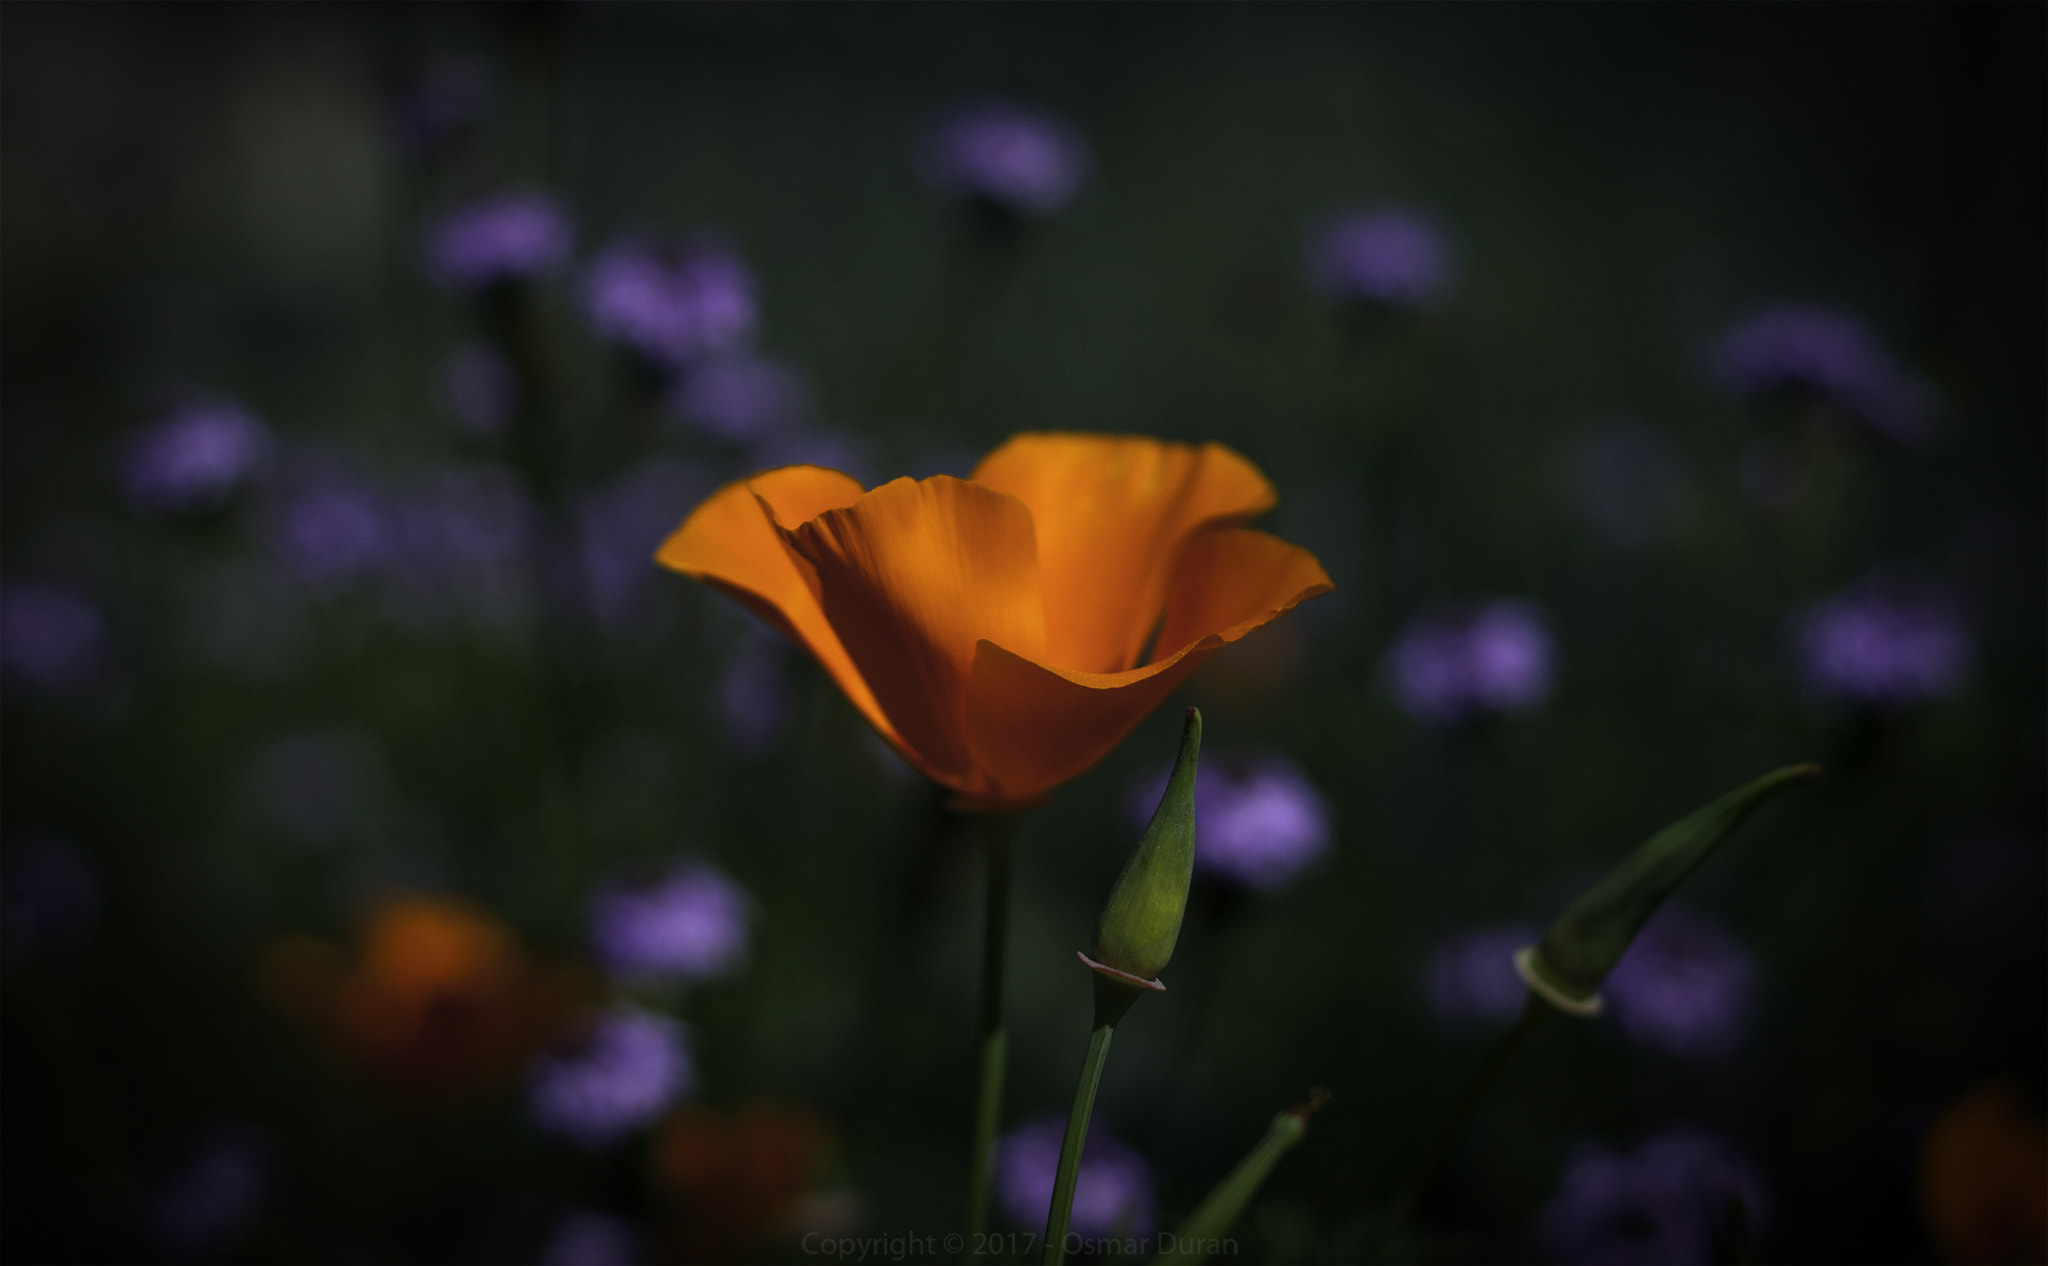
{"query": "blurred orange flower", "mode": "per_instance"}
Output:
(738, 1177)
(1984, 1179)
(440, 998)
(1004, 632)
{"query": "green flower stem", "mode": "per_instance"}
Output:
(1070, 1148)
(988, 1109)
(1534, 1012)
(1192, 1244)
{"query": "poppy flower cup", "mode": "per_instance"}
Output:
(1003, 632)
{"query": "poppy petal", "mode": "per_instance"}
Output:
(1113, 513)
(1232, 581)
(911, 576)
(732, 543)
(1033, 727)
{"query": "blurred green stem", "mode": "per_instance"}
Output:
(1070, 1148)
(988, 1110)
(1534, 1012)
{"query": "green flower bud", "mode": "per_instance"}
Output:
(1571, 962)
(1141, 921)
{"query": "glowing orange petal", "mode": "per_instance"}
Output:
(1113, 513)
(1033, 727)
(912, 576)
(1232, 581)
(732, 543)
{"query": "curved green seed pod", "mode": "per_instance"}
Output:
(1571, 962)
(1140, 923)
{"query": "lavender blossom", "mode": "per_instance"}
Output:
(689, 924)
(205, 1206)
(1471, 979)
(1016, 159)
(585, 1237)
(507, 237)
(1392, 256)
(1882, 645)
(49, 895)
(330, 527)
(741, 397)
(1669, 1202)
(193, 460)
(1827, 354)
(51, 637)
(1259, 822)
(479, 389)
(1449, 665)
(1686, 985)
(671, 303)
(624, 1074)
(1112, 1192)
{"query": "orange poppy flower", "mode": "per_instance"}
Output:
(1005, 631)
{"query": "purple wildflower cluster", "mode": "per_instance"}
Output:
(1686, 985)
(689, 924)
(1667, 1202)
(506, 237)
(742, 397)
(52, 638)
(1470, 978)
(1258, 820)
(673, 303)
(1449, 665)
(193, 460)
(1882, 645)
(624, 1073)
(1827, 354)
(1017, 159)
(1112, 1191)
(1391, 256)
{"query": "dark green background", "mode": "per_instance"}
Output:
(208, 197)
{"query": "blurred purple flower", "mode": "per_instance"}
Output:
(1825, 353)
(741, 397)
(1687, 985)
(585, 1237)
(479, 389)
(1390, 255)
(206, 1205)
(1112, 1192)
(451, 95)
(1259, 822)
(1882, 644)
(1669, 1202)
(501, 238)
(1018, 159)
(49, 895)
(319, 786)
(1627, 478)
(672, 303)
(1471, 977)
(623, 1075)
(1448, 665)
(754, 696)
(329, 526)
(194, 459)
(689, 924)
(621, 526)
(51, 637)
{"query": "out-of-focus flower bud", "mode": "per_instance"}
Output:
(1571, 962)
(1141, 921)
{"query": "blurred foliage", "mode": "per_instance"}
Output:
(210, 199)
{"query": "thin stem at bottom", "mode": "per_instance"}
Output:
(1070, 1148)
(988, 1107)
